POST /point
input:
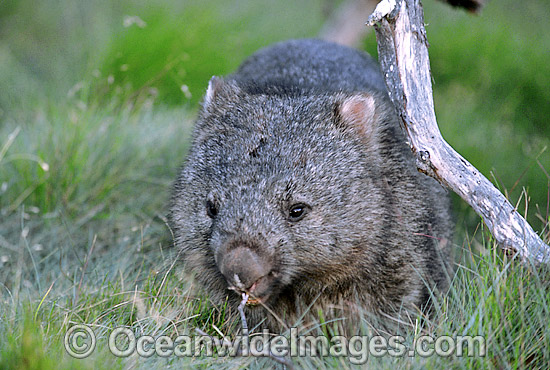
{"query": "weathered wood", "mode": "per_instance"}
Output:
(403, 56)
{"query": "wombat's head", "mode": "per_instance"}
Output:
(277, 192)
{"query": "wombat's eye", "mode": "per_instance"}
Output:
(211, 209)
(297, 211)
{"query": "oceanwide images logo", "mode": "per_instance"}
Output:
(80, 342)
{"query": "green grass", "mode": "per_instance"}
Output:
(177, 47)
(87, 161)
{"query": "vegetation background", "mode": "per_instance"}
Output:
(97, 100)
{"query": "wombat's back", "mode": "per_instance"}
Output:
(309, 65)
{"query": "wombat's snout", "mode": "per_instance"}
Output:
(247, 271)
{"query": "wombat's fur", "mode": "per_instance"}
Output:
(299, 187)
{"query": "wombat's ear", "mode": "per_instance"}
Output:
(218, 87)
(358, 112)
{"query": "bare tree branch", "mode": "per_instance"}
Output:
(403, 56)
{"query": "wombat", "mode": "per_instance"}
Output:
(300, 190)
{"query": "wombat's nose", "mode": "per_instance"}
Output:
(242, 267)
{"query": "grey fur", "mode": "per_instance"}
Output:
(308, 124)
